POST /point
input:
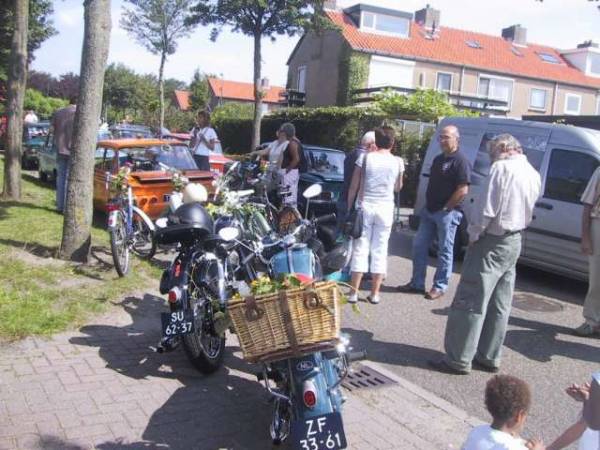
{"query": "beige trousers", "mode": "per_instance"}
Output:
(591, 307)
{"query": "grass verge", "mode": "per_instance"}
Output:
(40, 295)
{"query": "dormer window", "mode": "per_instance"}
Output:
(385, 24)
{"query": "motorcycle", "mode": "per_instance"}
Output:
(306, 393)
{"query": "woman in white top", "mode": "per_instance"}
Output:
(203, 140)
(375, 194)
(273, 151)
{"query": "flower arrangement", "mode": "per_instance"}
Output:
(179, 181)
(118, 183)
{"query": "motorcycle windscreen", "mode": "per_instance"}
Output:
(296, 260)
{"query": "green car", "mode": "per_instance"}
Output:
(325, 167)
(34, 137)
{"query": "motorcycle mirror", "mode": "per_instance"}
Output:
(161, 222)
(312, 191)
(229, 233)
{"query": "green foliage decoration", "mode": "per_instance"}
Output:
(354, 73)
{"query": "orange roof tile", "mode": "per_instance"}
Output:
(183, 99)
(237, 90)
(449, 47)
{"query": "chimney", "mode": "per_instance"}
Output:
(330, 4)
(428, 17)
(588, 44)
(264, 84)
(516, 34)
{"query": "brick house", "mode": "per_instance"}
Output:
(226, 91)
(377, 47)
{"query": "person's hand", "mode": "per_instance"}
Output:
(586, 245)
(579, 393)
(535, 444)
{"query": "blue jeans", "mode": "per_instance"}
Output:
(445, 225)
(62, 174)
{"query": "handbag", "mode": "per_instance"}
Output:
(354, 222)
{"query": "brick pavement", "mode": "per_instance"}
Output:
(103, 387)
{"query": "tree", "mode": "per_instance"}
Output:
(157, 25)
(258, 19)
(198, 91)
(43, 105)
(17, 78)
(76, 238)
(39, 29)
(67, 85)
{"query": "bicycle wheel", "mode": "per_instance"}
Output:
(118, 245)
(144, 244)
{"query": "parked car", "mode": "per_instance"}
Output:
(325, 167)
(151, 184)
(566, 157)
(126, 131)
(34, 136)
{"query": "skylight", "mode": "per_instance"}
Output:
(473, 44)
(547, 57)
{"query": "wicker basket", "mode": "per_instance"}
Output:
(288, 323)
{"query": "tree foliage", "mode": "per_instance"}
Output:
(258, 19)
(65, 86)
(232, 110)
(157, 25)
(199, 91)
(43, 106)
(40, 29)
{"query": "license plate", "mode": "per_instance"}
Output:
(177, 323)
(324, 432)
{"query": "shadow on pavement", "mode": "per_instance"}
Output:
(222, 410)
(391, 352)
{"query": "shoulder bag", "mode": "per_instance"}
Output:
(354, 223)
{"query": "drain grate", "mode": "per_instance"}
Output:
(365, 377)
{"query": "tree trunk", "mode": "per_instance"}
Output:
(17, 78)
(76, 238)
(161, 90)
(258, 94)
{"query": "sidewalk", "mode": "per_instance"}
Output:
(103, 387)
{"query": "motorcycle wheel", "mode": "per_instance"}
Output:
(144, 244)
(119, 247)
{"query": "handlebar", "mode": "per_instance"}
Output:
(326, 218)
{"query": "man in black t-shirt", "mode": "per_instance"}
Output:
(448, 184)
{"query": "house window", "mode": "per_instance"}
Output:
(595, 64)
(496, 88)
(384, 71)
(547, 57)
(444, 82)
(537, 99)
(301, 79)
(385, 24)
(572, 104)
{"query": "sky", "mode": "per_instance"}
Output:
(559, 23)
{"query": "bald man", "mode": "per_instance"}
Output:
(449, 181)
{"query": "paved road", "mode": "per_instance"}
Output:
(405, 330)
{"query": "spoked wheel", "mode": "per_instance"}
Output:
(280, 424)
(119, 246)
(144, 244)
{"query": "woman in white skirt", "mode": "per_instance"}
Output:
(373, 188)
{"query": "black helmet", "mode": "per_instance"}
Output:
(189, 222)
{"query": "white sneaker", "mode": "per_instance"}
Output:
(373, 299)
(353, 298)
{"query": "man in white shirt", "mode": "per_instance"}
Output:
(203, 139)
(30, 117)
(479, 313)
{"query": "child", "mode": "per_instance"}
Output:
(507, 399)
(588, 438)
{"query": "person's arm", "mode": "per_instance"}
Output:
(457, 196)
(586, 227)
(487, 205)
(399, 182)
(535, 444)
(354, 184)
(570, 435)
(295, 156)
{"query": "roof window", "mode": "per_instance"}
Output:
(547, 57)
(473, 44)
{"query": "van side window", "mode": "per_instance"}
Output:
(533, 148)
(568, 175)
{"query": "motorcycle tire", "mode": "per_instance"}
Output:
(144, 244)
(205, 361)
(119, 247)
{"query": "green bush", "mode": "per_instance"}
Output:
(43, 106)
(412, 147)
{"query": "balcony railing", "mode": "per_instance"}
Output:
(461, 101)
(292, 97)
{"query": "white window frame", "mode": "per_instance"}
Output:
(496, 77)
(572, 112)
(396, 61)
(374, 29)
(299, 70)
(437, 77)
(537, 108)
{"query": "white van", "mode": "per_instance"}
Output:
(566, 157)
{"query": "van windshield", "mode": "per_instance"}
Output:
(533, 148)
